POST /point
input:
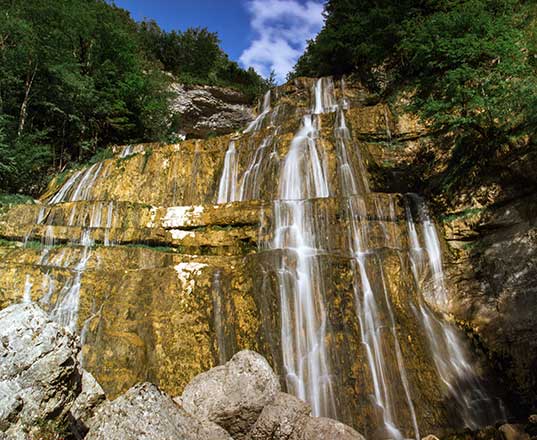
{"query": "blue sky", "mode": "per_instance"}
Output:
(264, 34)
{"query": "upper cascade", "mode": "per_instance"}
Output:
(275, 238)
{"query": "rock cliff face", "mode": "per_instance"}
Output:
(291, 239)
(209, 110)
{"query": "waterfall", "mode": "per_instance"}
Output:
(303, 174)
(258, 121)
(368, 302)
(109, 220)
(303, 312)
(325, 100)
(249, 188)
(227, 189)
(65, 310)
(352, 278)
(27, 296)
(84, 181)
(473, 404)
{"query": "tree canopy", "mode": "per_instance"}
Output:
(78, 75)
(469, 65)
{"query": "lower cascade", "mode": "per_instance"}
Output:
(170, 259)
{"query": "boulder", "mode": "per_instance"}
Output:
(322, 428)
(280, 420)
(87, 402)
(39, 375)
(146, 413)
(233, 395)
(513, 432)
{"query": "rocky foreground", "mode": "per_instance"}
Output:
(45, 394)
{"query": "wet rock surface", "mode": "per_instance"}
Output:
(513, 432)
(233, 395)
(145, 413)
(39, 375)
(494, 270)
(319, 428)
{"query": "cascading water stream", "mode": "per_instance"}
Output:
(265, 110)
(227, 189)
(304, 320)
(367, 301)
(78, 187)
(373, 234)
(473, 404)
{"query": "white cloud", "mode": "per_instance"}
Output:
(282, 28)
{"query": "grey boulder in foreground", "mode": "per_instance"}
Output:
(233, 395)
(39, 374)
(146, 413)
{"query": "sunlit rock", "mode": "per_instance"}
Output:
(146, 413)
(233, 395)
(39, 375)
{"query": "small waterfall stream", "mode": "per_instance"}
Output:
(473, 404)
(227, 190)
(78, 187)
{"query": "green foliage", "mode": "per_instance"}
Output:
(358, 35)
(195, 57)
(74, 79)
(79, 75)
(472, 71)
(469, 212)
(469, 65)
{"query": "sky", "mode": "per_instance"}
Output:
(263, 34)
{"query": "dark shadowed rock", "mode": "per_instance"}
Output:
(233, 395)
(146, 413)
(280, 420)
(39, 375)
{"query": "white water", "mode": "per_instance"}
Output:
(27, 297)
(475, 407)
(303, 174)
(258, 121)
(250, 182)
(368, 302)
(65, 311)
(78, 186)
(227, 189)
(303, 313)
(325, 99)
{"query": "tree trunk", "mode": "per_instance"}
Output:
(24, 106)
